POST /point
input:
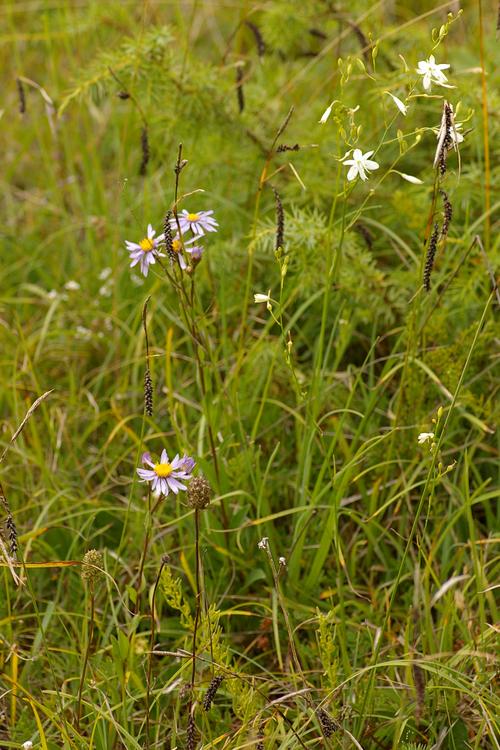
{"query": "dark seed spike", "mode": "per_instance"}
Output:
(148, 393)
(10, 525)
(239, 88)
(285, 147)
(280, 220)
(328, 725)
(419, 680)
(145, 151)
(448, 213)
(169, 239)
(21, 96)
(212, 691)
(192, 734)
(365, 234)
(259, 39)
(431, 254)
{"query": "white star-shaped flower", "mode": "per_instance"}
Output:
(432, 73)
(360, 164)
(425, 437)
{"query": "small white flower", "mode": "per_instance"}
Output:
(105, 290)
(410, 178)
(282, 562)
(399, 104)
(72, 286)
(425, 437)
(264, 543)
(258, 298)
(431, 73)
(360, 164)
(27, 745)
(105, 273)
(52, 294)
(83, 333)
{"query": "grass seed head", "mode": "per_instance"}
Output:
(199, 493)
(92, 564)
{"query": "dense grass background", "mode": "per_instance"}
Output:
(385, 616)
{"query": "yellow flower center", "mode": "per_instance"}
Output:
(163, 470)
(147, 245)
(176, 246)
(193, 217)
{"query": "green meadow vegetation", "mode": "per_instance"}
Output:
(249, 483)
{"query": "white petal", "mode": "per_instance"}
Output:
(326, 114)
(352, 173)
(411, 178)
(399, 104)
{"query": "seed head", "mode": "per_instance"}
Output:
(327, 723)
(431, 254)
(92, 566)
(192, 734)
(21, 96)
(148, 393)
(212, 691)
(145, 151)
(448, 213)
(280, 221)
(199, 493)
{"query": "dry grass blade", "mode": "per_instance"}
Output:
(28, 414)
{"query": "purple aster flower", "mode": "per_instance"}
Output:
(145, 251)
(177, 248)
(165, 475)
(199, 223)
(196, 251)
(187, 463)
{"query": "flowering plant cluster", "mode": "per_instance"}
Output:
(175, 241)
(360, 164)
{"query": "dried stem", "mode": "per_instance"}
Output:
(150, 656)
(90, 637)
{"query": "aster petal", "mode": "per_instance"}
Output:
(135, 261)
(164, 457)
(175, 461)
(164, 486)
(146, 459)
(175, 486)
(132, 245)
(146, 474)
(151, 232)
